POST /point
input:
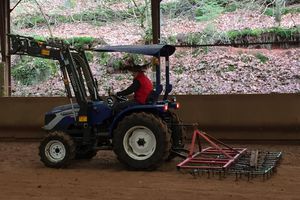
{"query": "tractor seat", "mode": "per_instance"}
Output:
(152, 97)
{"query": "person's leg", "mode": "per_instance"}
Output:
(122, 105)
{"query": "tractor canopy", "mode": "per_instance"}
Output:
(159, 50)
(156, 50)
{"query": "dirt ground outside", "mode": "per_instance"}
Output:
(23, 176)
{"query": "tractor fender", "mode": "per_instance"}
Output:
(155, 109)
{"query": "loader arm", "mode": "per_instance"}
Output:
(73, 65)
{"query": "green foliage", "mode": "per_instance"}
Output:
(148, 36)
(271, 11)
(196, 52)
(211, 36)
(171, 39)
(89, 56)
(29, 21)
(140, 12)
(234, 34)
(220, 2)
(39, 38)
(231, 7)
(180, 54)
(261, 57)
(208, 11)
(203, 10)
(179, 8)
(76, 42)
(179, 69)
(245, 58)
(80, 42)
(104, 58)
(30, 71)
(284, 33)
(292, 10)
(208, 36)
(119, 78)
(205, 50)
(194, 38)
(230, 68)
(116, 64)
(97, 16)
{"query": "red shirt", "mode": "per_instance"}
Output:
(145, 88)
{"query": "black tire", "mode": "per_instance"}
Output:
(85, 152)
(141, 141)
(57, 150)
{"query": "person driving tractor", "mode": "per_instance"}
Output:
(141, 86)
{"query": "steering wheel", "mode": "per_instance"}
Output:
(112, 99)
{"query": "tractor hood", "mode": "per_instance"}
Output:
(151, 50)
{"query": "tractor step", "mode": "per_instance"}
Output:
(179, 152)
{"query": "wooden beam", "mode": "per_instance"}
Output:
(5, 46)
(2, 93)
(155, 13)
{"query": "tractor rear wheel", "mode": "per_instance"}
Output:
(141, 141)
(57, 150)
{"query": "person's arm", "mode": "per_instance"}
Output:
(131, 89)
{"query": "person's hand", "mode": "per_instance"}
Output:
(113, 93)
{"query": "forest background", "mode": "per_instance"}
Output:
(203, 70)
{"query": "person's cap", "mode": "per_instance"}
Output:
(137, 68)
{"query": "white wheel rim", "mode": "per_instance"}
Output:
(55, 151)
(139, 143)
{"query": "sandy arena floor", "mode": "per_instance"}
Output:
(23, 176)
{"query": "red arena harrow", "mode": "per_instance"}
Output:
(222, 159)
(218, 156)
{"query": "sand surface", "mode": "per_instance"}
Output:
(23, 176)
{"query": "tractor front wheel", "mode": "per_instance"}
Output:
(57, 149)
(141, 141)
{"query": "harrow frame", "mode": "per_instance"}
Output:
(218, 156)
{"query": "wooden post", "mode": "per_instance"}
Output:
(2, 93)
(5, 46)
(155, 12)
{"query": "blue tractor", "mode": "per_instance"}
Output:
(142, 136)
